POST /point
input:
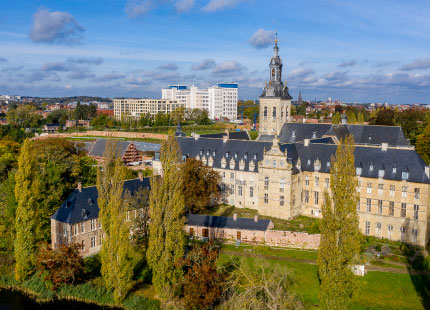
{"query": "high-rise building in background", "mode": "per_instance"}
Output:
(135, 108)
(220, 101)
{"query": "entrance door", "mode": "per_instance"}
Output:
(238, 236)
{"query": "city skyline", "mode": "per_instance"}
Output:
(355, 52)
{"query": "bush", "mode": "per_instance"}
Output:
(92, 266)
(60, 266)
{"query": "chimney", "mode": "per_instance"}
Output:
(196, 136)
(384, 146)
(306, 142)
(235, 217)
(225, 138)
(141, 176)
(427, 171)
(256, 218)
(79, 186)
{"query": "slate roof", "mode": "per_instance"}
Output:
(82, 206)
(227, 222)
(236, 149)
(235, 135)
(99, 147)
(363, 134)
(404, 160)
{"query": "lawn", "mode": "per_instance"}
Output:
(299, 223)
(377, 290)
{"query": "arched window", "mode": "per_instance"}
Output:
(273, 73)
(265, 112)
(282, 113)
(274, 112)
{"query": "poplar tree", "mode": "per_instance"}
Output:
(26, 193)
(340, 236)
(166, 237)
(336, 118)
(116, 252)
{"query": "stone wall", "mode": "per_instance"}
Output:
(116, 134)
(292, 239)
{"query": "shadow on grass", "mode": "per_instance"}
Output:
(418, 268)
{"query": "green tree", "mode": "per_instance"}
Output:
(423, 144)
(146, 120)
(200, 185)
(26, 193)
(166, 238)
(23, 116)
(351, 118)
(360, 119)
(340, 236)
(336, 118)
(116, 252)
(7, 212)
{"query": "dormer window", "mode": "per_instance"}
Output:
(405, 175)
(235, 155)
(213, 154)
(207, 153)
(371, 167)
(245, 156)
(358, 171)
(201, 153)
(293, 135)
(255, 156)
(314, 135)
(370, 137)
(381, 173)
(394, 169)
(317, 165)
(90, 201)
(328, 165)
(309, 162)
(226, 154)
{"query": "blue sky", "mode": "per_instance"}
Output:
(356, 51)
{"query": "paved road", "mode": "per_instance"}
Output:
(403, 270)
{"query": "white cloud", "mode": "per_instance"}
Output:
(227, 68)
(169, 66)
(137, 8)
(183, 6)
(262, 38)
(417, 64)
(347, 64)
(86, 60)
(55, 27)
(203, 65)
(218, 5)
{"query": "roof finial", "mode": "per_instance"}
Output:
(276, 36)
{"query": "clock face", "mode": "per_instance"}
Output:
(270, 92)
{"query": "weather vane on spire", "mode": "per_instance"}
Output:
(276, 35)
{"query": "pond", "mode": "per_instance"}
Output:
(10, 300)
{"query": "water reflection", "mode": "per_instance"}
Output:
(10, 300)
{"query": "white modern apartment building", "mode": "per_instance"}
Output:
(220, 101)
(135, 108)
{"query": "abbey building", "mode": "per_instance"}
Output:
(286, 171)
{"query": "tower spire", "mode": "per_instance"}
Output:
(275, 48)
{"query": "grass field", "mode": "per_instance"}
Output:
(377, 290)
(300, 223)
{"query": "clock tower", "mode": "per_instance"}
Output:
(275, 101)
